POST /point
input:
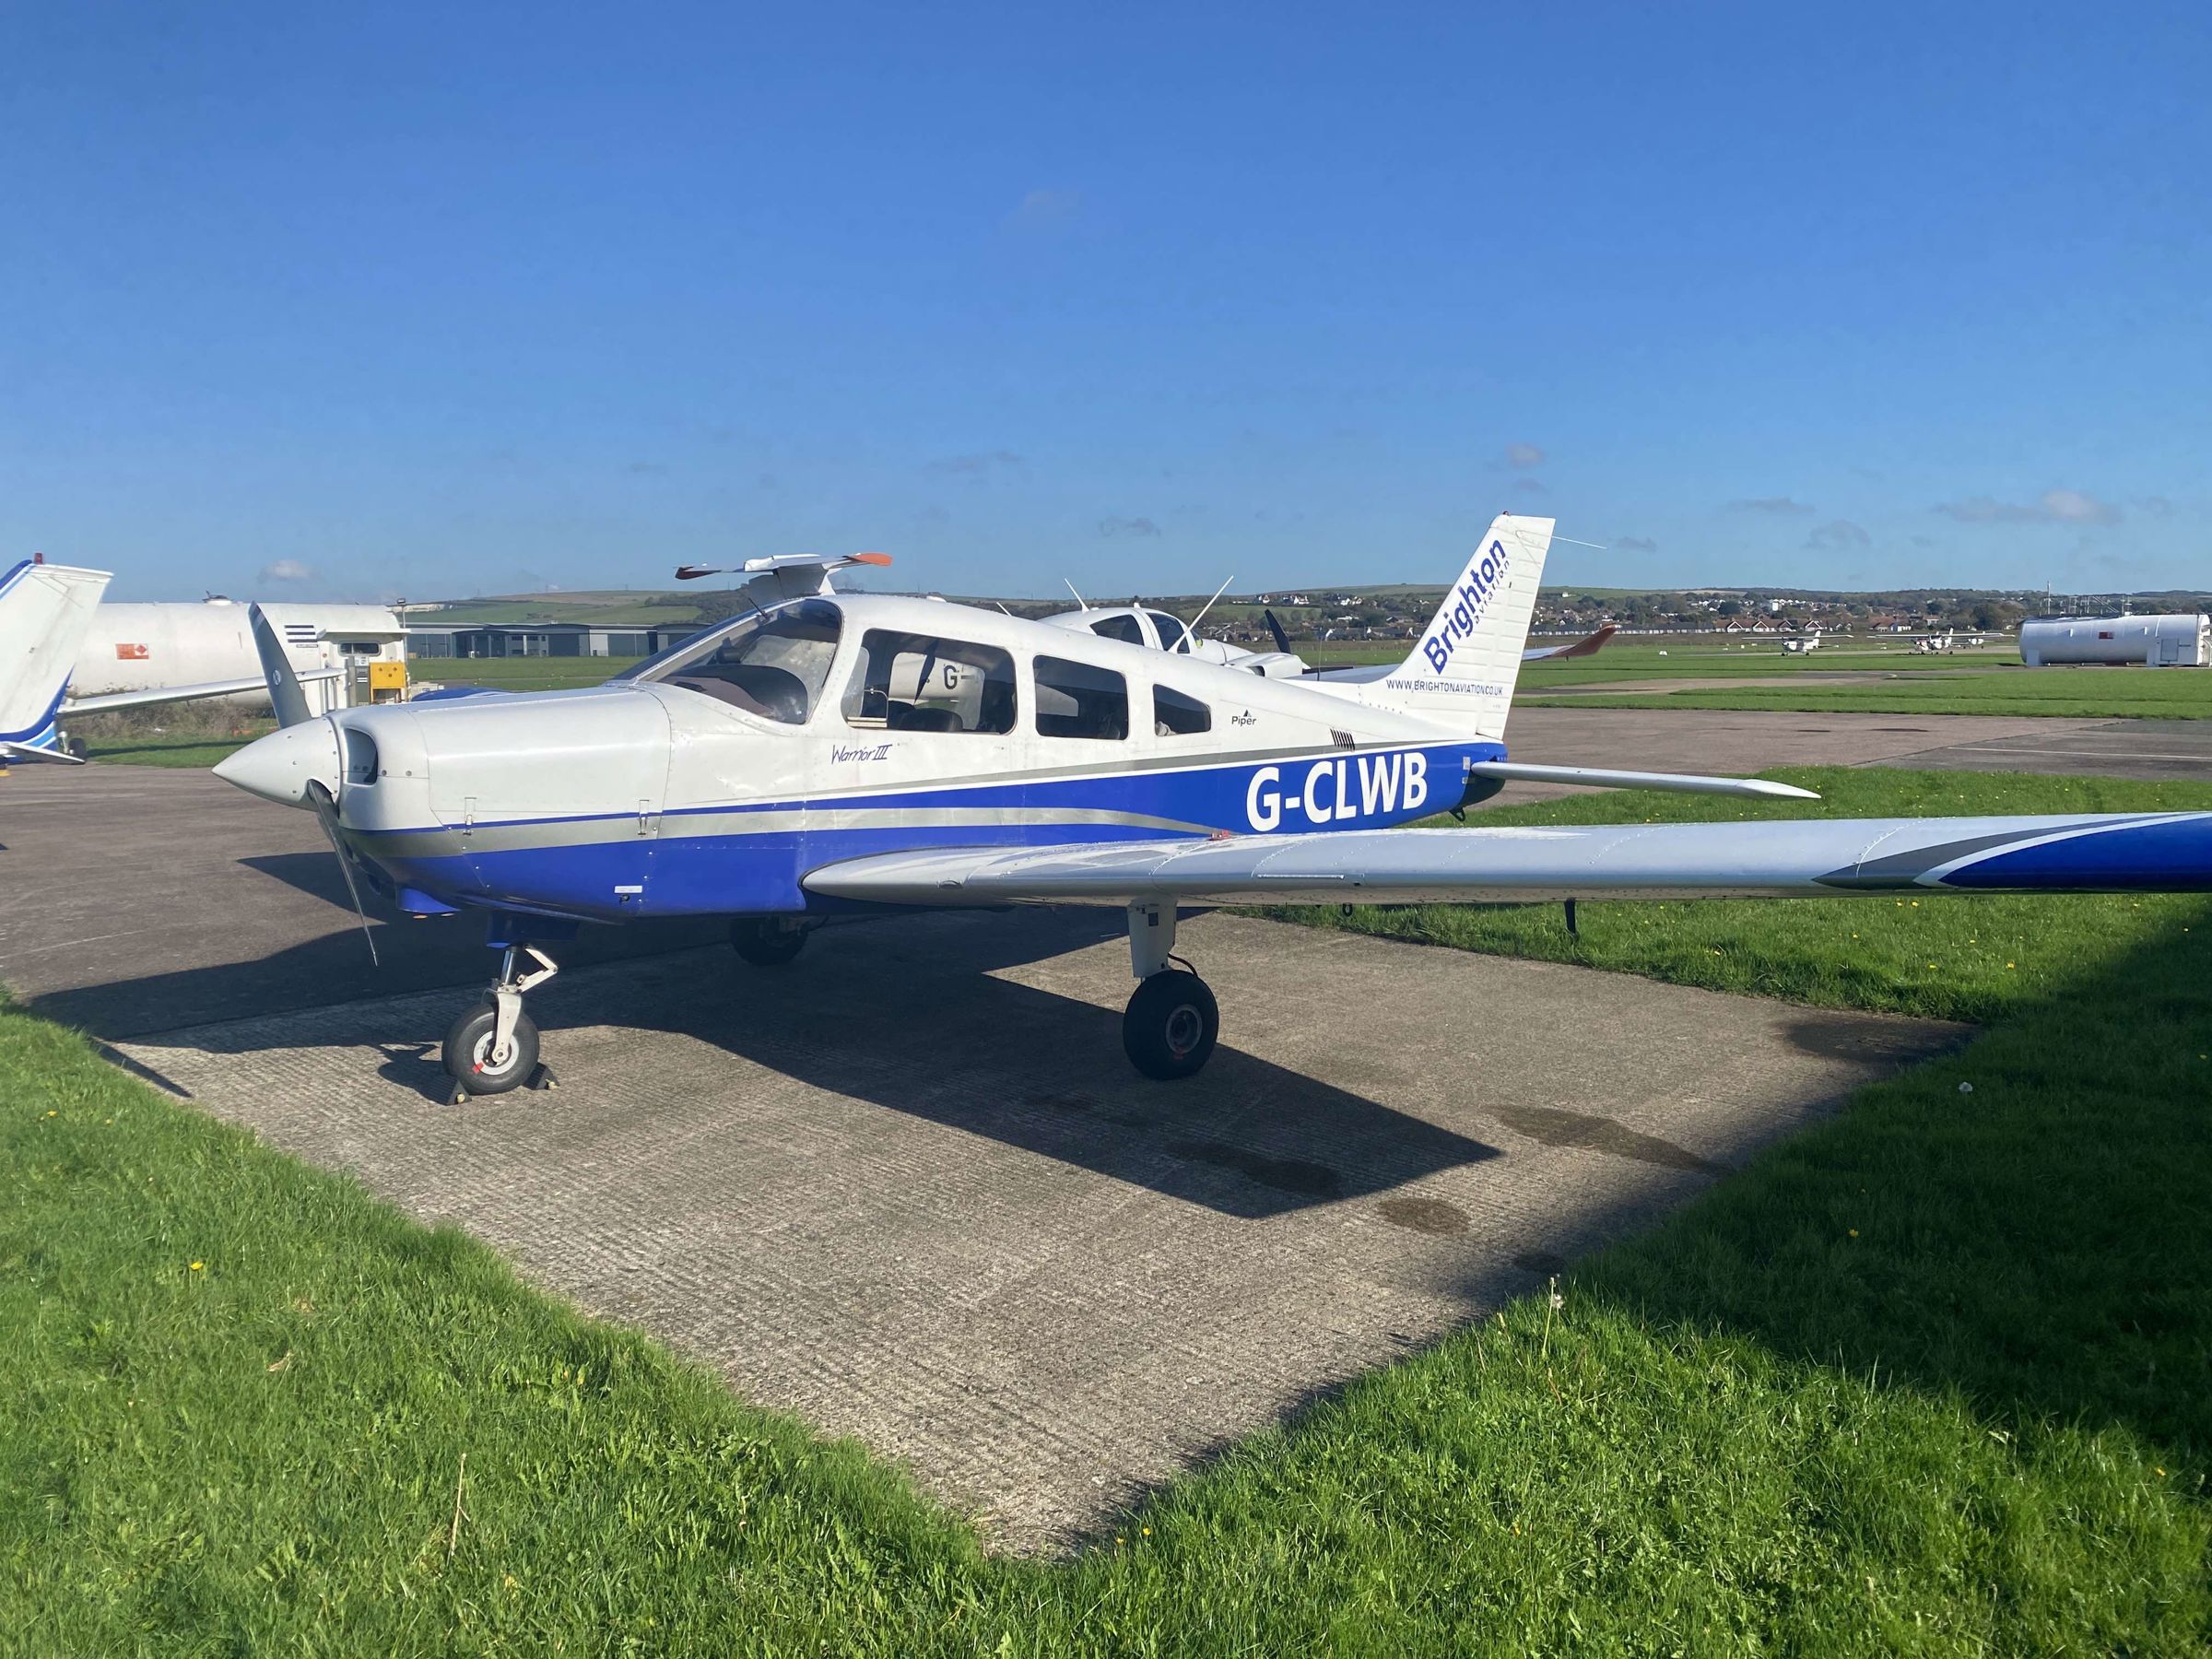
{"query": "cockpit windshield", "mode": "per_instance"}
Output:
(771, 663)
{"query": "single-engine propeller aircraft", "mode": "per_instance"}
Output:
(834, 753)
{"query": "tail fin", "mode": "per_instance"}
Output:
(1463, 668)
(45, 611)
(286, 695)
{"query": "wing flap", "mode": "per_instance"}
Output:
(1810, 858)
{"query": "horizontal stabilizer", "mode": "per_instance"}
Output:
(13, 753)
(1596, 777)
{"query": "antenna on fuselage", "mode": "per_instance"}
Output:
(1081, 603)
(1208, 606)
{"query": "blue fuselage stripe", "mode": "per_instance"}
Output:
(683, 870)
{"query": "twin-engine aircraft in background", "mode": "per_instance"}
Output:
(1163, 630)
(830, 753)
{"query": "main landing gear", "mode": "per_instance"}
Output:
(767, 941)
(1173, 1022)
(492, 1047)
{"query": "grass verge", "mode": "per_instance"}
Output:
(1928, 1379)
(2083, 693)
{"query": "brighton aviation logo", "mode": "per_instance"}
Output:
(1338, 790)
(1458, 623)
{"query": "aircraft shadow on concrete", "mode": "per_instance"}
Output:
(905, 1012)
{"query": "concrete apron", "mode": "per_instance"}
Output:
(909, 1188)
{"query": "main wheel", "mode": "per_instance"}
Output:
(469, 1056)
(765, 942)
(1171, 1025)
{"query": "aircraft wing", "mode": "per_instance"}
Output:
(1589, 645)
(154, 695)
(1803, 858)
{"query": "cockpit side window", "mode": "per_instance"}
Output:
(920, 683)
(773, 664)
(1124, 626)
(1173, 635)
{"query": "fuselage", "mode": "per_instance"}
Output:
(716, 776)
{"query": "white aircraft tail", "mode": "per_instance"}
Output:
(1463, 668)
(44, 612)
(288, 697)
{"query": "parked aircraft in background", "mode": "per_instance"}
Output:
(62, 653)
(833, 754)
(1162, 630)
(1801, 643)
(141, 648)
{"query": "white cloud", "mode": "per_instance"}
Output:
(1523, 454)
(1781, 505)
(287, 570)
(2052, 507)
(1127, 526)
(1837, 535)
(1636, 543)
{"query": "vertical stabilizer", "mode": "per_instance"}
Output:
(1462, 670)
(44, 613)
(288, 697)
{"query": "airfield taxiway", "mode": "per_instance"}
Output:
(908, 1187)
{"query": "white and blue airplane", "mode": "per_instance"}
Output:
(831, 754)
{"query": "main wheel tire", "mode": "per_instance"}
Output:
(468, 1052)
(764, 942)
(1171, 1025)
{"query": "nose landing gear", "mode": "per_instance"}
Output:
(1173, 1022)
(492, 1047)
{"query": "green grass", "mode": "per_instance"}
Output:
(196, 747)
(2089, 693)
(1693, 656)
(1930, 1378)
(519, 673)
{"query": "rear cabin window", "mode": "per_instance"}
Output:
(1173, 635)
(920, 683)
(1077, 699)
(1175, 716)
(1125, 628)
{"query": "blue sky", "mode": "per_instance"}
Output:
(430, 302)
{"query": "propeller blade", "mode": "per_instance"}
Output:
(1282, 640)
(693, 573)
(326, 815)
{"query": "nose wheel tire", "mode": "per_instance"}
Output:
(764, 941)
(1171, 1025)
(469, 1058)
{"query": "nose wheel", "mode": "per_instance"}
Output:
(1173, 1022)
(492, 1046)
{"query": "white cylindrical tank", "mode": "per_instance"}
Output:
(148, 647)
(2175, 642)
